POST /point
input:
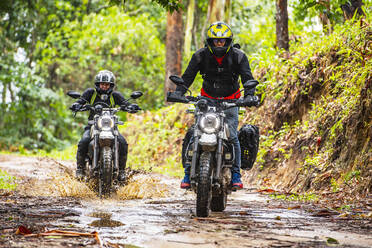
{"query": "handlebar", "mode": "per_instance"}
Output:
(225, 103)
(88, 107)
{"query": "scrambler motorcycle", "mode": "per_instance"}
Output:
(103, 152)
(209, 151)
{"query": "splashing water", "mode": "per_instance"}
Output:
(142, 187)
(62, 185)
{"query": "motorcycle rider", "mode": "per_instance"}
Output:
(220, 64)
(103, 91)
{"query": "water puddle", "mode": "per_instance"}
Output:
(104, 221)
(130, 222)
(134, 215)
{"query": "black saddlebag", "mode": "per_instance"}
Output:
(249, 139)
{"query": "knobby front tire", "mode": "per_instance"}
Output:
(204, 189)
(105, 182)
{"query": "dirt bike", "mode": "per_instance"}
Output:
(103, 152)
(210, 152)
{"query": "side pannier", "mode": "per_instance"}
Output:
(249, 137)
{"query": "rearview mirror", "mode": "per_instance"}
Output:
(177, 80)
(136, 94)
(73, 94)
(250, 84)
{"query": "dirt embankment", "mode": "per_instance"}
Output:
(317, 128)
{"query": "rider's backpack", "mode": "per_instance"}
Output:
(249, 138)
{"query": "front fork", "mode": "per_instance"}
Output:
(116, 161)
(194, 158)
(216, 175)
(95, 152)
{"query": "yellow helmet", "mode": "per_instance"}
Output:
(219, 30)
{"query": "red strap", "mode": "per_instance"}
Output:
(236, 95)
(219, 60)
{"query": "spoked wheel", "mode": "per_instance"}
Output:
(204, 189)
(105, 178)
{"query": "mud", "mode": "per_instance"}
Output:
(152, 211)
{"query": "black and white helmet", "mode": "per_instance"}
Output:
(104, 76)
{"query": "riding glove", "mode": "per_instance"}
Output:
(76, 106)
(248, 101)
(133, 108)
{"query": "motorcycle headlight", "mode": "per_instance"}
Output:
(210, 123)
(105, 122)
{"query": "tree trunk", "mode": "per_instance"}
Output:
(324, 18)
(216, 9)
(173, 49)
(351, 7)
(282, 39)
(189, 27)
(198, 42)
(12, 97)
(89, 5)
(228, 11)
(3, 93)
(216, 12)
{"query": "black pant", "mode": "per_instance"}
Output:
(83, 146)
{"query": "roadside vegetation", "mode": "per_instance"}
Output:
(7, 182)
(316, 120)
(315, 115)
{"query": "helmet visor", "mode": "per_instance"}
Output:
(219, 42)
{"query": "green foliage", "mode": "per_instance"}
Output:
(306, 197)
(37, 118)
(170, 5)
(155, 139)
(352, 175)
(79, 50)
(322, 91)
(253, 24)
(69, 153)
(7, 182)
(310, 8)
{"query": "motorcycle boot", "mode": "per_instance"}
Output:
(80, 168)
(122, 163)
(236, 182)
(121, 175)
(185, 183)
(82, 153)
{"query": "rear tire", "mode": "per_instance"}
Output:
(218, 203)
(105, 179)
(204, 189)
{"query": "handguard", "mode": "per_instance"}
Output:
(176, 97)
(248, 101)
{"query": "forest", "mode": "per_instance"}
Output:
(312, 59)
(306, 54)
(50, 47)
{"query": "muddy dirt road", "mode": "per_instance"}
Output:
(152, 211)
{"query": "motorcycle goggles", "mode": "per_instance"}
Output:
(219, 40)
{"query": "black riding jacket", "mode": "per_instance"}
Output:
(87, 95)
(218, 80)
